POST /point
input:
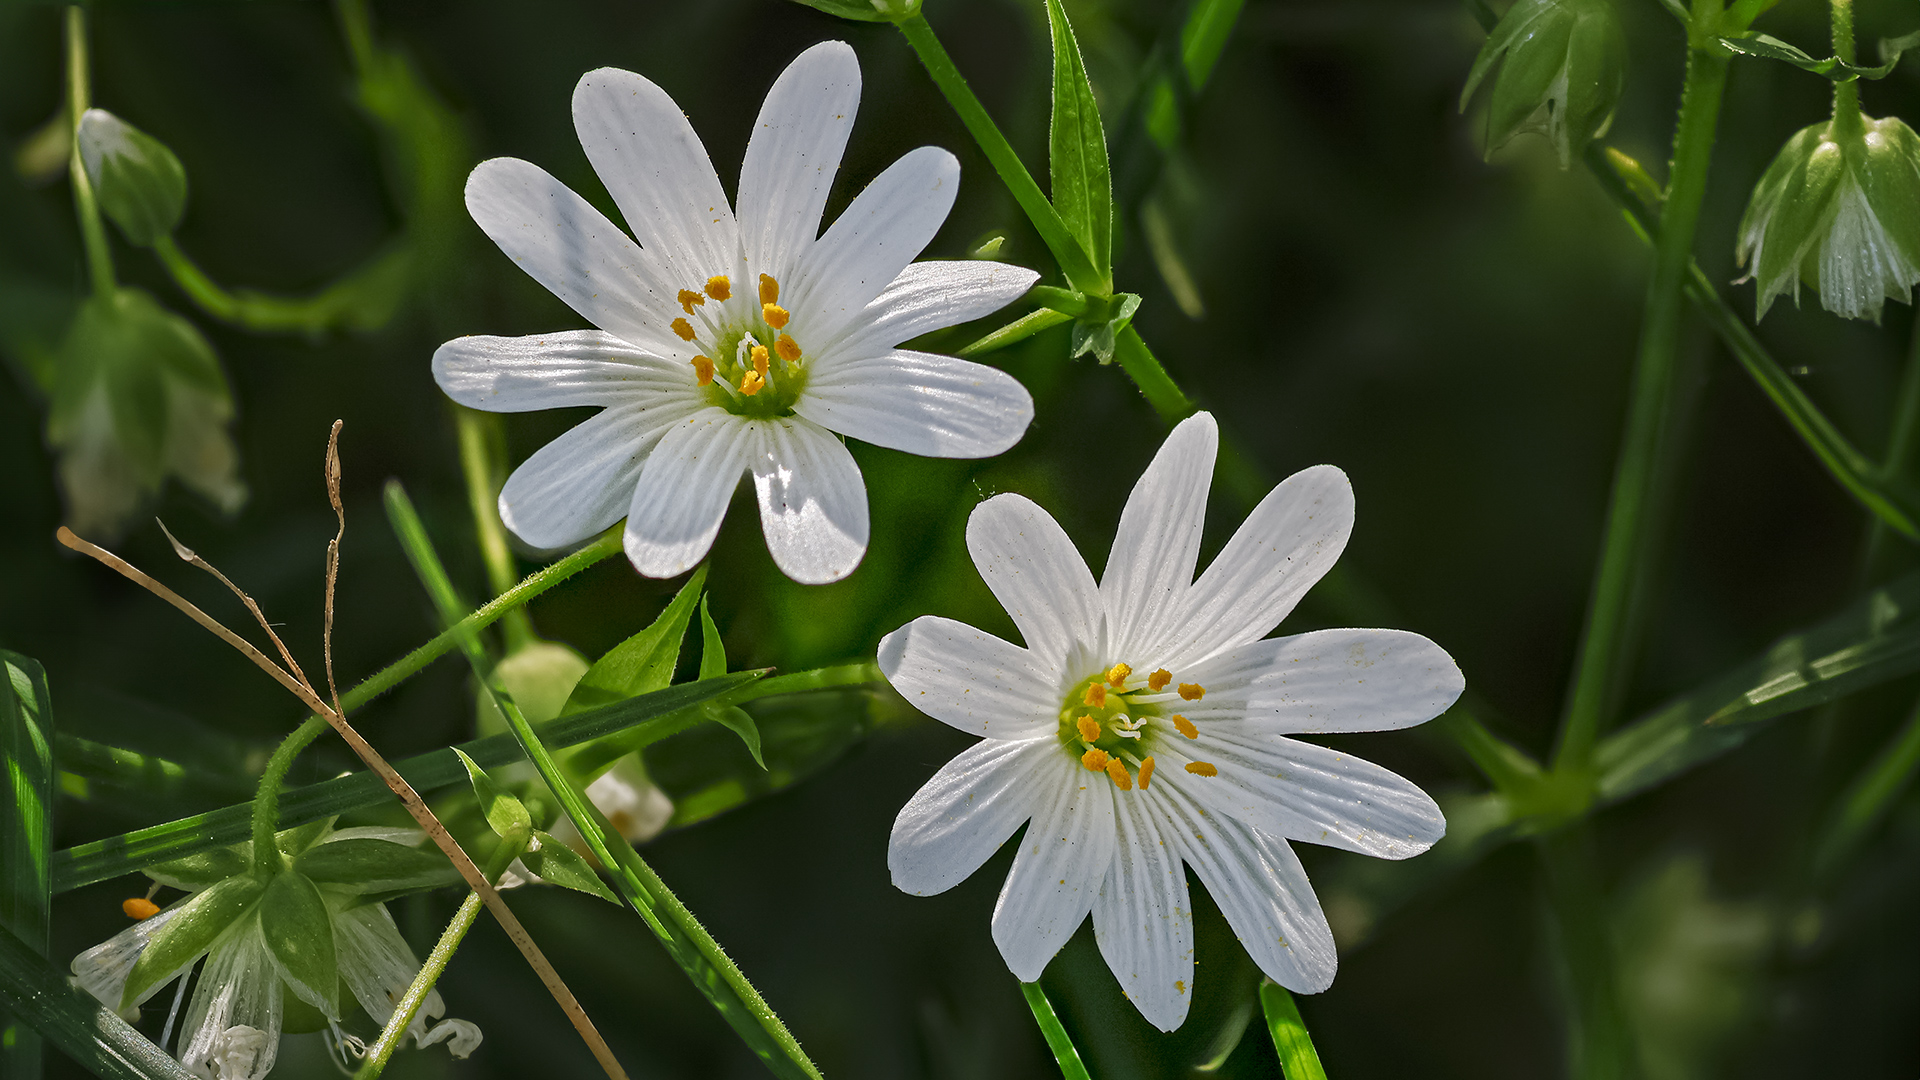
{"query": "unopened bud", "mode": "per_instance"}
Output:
(140, 184)
(1562, 65)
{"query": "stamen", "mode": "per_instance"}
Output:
(1119, 775)
(1146, 771)
(703, 370)
(139, 908)
(788, 348)
(1192, 691)
(719, 287)
(751, 382)
(1185, 726)
(1158, 681)
(775, 315)
(683, 328)
(1201, 768)
(1095, 759)
(760, 360)
(1117, 675)
(769, 289)
(1097, 695)
(1089, 728)
(690, 300)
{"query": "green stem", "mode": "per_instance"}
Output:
(480, 460)
(1598, 1043)
(1298, 1059)
(267, 859)
(1071, 1067)
(1155, 384)
(93, 233)
(1638, 495)
(1869, 798)
(339, 304)
(1846, 92)
(1074, 261)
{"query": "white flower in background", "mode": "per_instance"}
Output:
(731, 344)
(1145, 725)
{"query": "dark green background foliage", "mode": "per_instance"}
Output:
(1455, 334)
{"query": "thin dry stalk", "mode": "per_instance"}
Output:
(333, 555)
(188, 555)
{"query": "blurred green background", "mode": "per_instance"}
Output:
(1363, 289)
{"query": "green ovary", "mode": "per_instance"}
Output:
(785, 380)
(1116, 707)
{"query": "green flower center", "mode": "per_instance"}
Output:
(748, 361)
(1111, 720)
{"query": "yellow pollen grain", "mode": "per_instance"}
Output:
(689, 300)
(1201, 768)
(759, 355)
(683, 328)
(769, 289)
(775, 315)
(1180, 985)
(1185, 726)
(719, 287)
(1097, 695)
(1192, 691)
(1119, 775)
(1158, 681)
(1095, 759)
(1089, 728)
(788, 348)
(1117, 675)
(139, 908)
(751, 382)
(703, 370)
(1146, 771)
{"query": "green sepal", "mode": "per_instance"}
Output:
(506, 815)
(866, 10)
(295, 842)
(202, 871)
(1081, 181)
(643, 662)
(741, 723)
(299, 933)
(297, 1017)
(713, 652)
(558, 864)
(200, 922)
(1562, 67)
(1767, 47)
(1890, 179)
(365, 864)
(140, 183)
(1792, 205)
(1101, 336)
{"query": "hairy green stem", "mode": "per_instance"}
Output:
(1064, 1052)
(480, 454)
(1298, 1059)
(1168, 400)
(1846, 92)
(93, 232)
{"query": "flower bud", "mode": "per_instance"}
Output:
(1562, 65)
(1839, 209)
(141, 185)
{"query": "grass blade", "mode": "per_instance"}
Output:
(26, 837)
(1298, 1059)
(73, 1021)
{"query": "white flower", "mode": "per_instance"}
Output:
(730, 345)
(1144, 725)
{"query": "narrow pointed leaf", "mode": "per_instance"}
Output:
(713, 653)
(26, 836)
(368, 865)
(1204, 37)
(88, 1032)
(558, 864)
(1064, 1052)
(506, 815)
(643, 662)
(1298, 1059)
(741, 723)
(1082, 186)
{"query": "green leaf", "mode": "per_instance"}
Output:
(1204, 37)
(800, 735)
(189, 933)
(200, 871)
(713, 653)
(100, 1042)
(740, 722)
(26, 835)
(1081, 185)
(365, 864)
(558, 864)
(299, 933)
(1298, 1059)
(1102, 337)
(643, 662)
(506, 815)
(1767, 47)
(142, 186)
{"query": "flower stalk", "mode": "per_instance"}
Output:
(93, 232)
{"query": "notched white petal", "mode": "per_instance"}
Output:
(1157, 545)
(920, 403)
(965, 812)
(970, 679)
(1063, 859)
(554, 371)
(1040, 579)
(813, 503)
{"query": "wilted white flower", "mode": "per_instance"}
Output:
(731, 344)
(1146, 724)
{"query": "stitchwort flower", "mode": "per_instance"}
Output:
(1147, 724)
(731, 343)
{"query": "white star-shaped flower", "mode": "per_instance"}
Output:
(1145, 725)
(731, 343)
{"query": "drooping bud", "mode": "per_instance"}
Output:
(1562, 65)
(1839, 209)
(141, 185)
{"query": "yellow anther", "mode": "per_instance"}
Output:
(689, 300)
(719, 287)
(1201, 768)
(751, 382)
(1095, 759)
(769, 289)
(1185, 726)
(1192, 691)
(788, 348)
(1097, 695)
(139, 908)
(1117, 675)
(1119, 775)
(759, 354)
(703, 370)
(775, 315)
(683, 328)
(1158, 681)
(1146, 772)
(1089, 728)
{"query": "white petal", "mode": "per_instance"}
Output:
(1150, 568)
(813, 504)
(920, 403)
(583, 481)
(793, 154)
(883, 230)
(970, 679)
(1289, 542)
(658, 173)
(1327, 680)
(552, 371)
(377, 965)
(1039, 577)
(1260, 887)
(562, 242)
(962, 816)
(683, 492)
(102, 970)
(1305, 792)
(929, 296)
(232, 1026)
(1143, 918)
(1062, 863)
